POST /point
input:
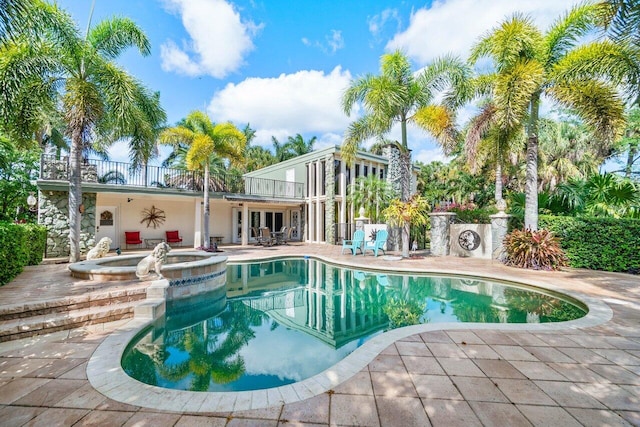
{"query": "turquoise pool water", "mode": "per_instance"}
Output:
(283, 321)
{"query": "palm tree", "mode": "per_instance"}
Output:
(372, 193)
(490, 141)
(631, 142)
(399, 96)
(97, 96)
(205, 141)
(403, 214)
(529, 63)
(298, 146)
(622, 19)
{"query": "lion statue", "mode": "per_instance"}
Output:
(155, 259)
(100, 250)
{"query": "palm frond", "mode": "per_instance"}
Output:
(111, 37)
(566, 32)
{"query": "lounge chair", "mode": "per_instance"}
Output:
(378, 244)
(355, 243)
(132, 238)
(174, 237)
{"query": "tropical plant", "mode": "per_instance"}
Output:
(403, 214)
(112, 177)
(371, 193)
(606, 195)
(48, 64)
(403, 312)
(529, 63)
(622, 19)
(203, 141)
(18, 168)
(537, 249)
(630, 143)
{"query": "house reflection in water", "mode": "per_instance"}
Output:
(321, 300)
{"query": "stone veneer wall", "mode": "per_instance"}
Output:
(394, 170)
(53, 213)
(330, 200)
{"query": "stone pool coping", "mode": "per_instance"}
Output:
(106, 375)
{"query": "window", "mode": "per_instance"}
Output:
(336, 175)
(323, 172)
(366, 171)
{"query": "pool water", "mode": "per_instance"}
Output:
(284, 321)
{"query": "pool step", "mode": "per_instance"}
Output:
(25, 320)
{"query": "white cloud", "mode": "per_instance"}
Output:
(307, 102)
(453, 26)
(332, 42)
(219, 39)
(378, 22)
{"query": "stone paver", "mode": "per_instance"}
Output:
(462, 377)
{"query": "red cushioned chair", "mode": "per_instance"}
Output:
(174, 237)
(132, 238)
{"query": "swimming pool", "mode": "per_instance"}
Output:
(282, 321)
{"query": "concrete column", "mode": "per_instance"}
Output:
(245, 224)
(440, 225)
(499, 229)
(197, 221)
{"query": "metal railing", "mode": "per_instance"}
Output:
(119, 173)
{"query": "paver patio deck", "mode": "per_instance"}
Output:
(577, 376)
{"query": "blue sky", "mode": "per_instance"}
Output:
(282, 65)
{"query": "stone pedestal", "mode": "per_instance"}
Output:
(499, 229)
(440, 227)
(361, 220)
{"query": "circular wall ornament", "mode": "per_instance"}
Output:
(469, 240)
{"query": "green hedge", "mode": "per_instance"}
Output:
(20, 245)
(598, 243)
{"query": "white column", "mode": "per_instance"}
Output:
(319, 210)
(197, 223)
(245, 224)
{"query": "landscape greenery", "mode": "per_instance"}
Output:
(62, 90)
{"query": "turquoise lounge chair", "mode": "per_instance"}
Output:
(355, 243)
(381, 239)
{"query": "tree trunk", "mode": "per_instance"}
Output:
(498, 192)
(75, 194)
(633, 150)
(406, 229)
(531, 182)
(206, 206)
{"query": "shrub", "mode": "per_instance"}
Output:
(36, 236)
(20, 245)
(13, 251)
(534, 249)
(469, 213)
(598, 243)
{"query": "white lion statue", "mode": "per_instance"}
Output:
(100, 250)
(155, 259)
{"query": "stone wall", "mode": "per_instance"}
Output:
(55, 169)
(53, 213)
(394, 170)
(329, 205)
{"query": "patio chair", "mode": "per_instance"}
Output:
(281, 236)
(355, 243)
(266, 238)
(132, 238)
(256, 235)
(287, 236)
(378, 244)
(174, 237)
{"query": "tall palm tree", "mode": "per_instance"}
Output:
(298, 146)
(490, 141)
(397, 95)
(205, 140)
(97, 96)
(530, 63)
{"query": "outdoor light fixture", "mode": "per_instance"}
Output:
(31, 201)
(129, 199)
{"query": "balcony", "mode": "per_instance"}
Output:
(111, 173)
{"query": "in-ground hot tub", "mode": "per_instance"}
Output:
(188, 273)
